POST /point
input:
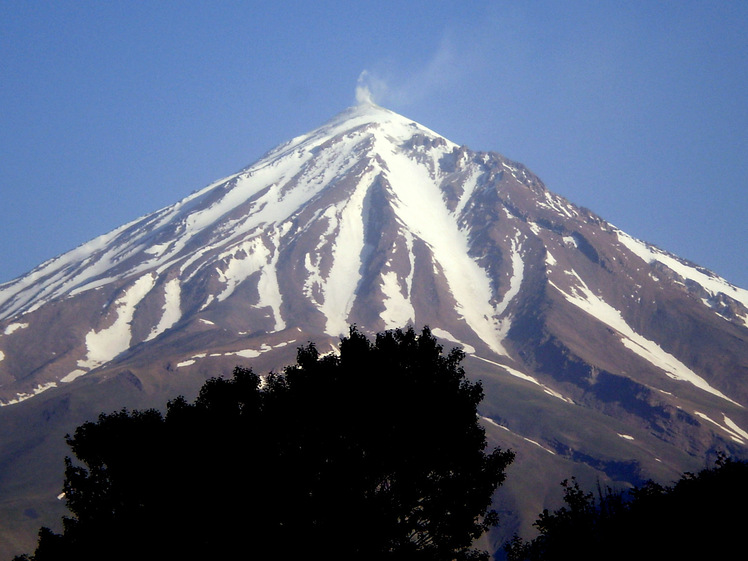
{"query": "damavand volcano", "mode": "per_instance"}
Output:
(601, 356)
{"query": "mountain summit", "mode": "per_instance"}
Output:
(600, 354)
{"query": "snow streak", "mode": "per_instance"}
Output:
(582, 297)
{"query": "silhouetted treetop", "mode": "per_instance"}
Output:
(701, 516)
(374, 452)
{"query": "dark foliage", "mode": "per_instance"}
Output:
(702, 516)
(375, 453)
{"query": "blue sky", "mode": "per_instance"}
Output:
(635, 110)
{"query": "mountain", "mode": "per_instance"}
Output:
(601, 356)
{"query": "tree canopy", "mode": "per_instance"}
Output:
(375, 452)
(701, 516)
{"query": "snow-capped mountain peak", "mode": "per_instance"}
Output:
(371, 218)
(581, 333)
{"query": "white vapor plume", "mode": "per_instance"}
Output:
(369, 89)
(363, 94)
(447, 67)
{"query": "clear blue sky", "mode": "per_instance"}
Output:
(636, 110)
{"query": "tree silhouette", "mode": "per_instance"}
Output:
(700, 517)
(372, 453)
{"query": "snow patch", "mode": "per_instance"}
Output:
(730, 423)
(77, 373)
(13, 327)
(733, 430)
(244, 353)
(468, 189)
(550, 261)
(515, 283)
(398, 309)
(269, 289)
(527, 378)
(249, 353)
(338, 288)
(24, 396)
(172, 312)
(536, 443)
(106, 344)
(556, 203)
(241, 262)
(157, 249)
(444, 334)
(246, 259)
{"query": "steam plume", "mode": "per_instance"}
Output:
(363, 93)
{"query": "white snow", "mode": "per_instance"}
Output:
(314, 283)
(241, 262)
(77, 373)
(468, 187)
(535, 442)
(398, 309)
(527, 378)
(244, 353)
(534, 228)
(444, 334)
(515, 283)
(730, 423)
(13, 327)
(172, 310)
(24, 396)
(554, 202)
(733, 430)
(494, 423)
(87, 266)
(419, 203)
(50, 279)
(247, 353)
(107, 343)
(270, 294)
(273, 190)
(2, 356)
(339, 288)
(517, 275)
(582, 297)
(713, 284)
(157, 249)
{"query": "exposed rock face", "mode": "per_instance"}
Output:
(600, 355)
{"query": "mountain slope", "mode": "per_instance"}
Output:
(600, 354)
